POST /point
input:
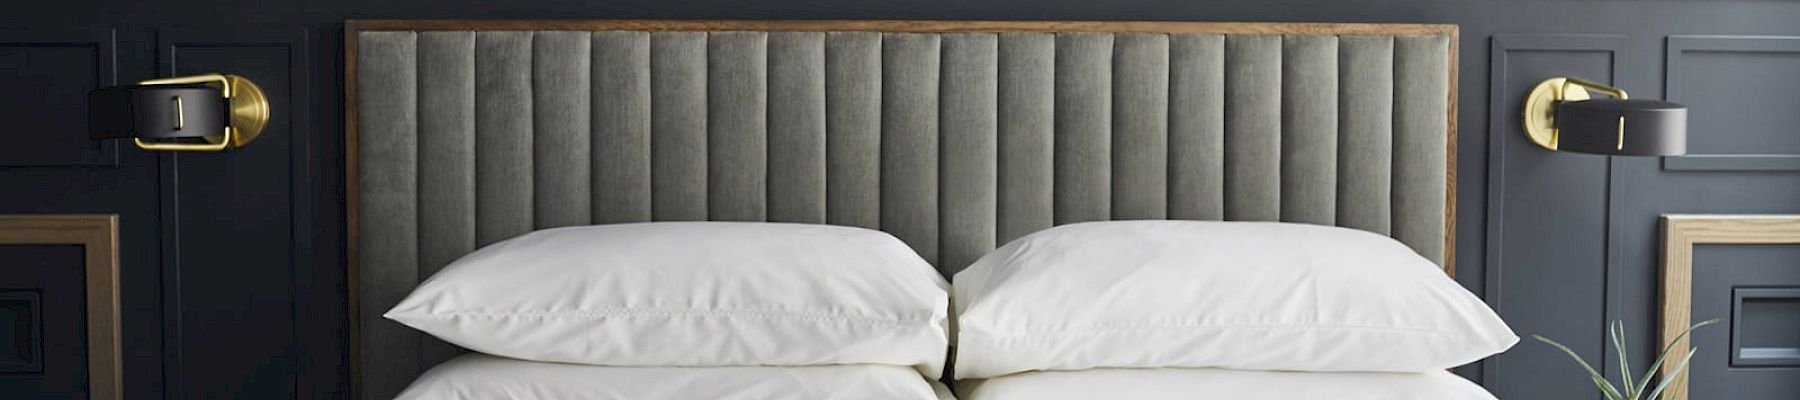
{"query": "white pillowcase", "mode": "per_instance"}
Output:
(695, 294)
(485, 377)
(1219, 384)
(1239, 295)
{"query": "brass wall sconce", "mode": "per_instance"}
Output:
(208, 112)
(1559, 115)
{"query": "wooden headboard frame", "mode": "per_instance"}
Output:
(354, 29)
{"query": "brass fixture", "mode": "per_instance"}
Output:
(1561, 115)
(139, 112)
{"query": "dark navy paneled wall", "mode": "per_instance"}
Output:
(233, 273)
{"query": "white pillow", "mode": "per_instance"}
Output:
(478, 376)
(1239, 295)
(696, 294)
(1220, 384)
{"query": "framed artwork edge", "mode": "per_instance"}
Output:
(1679, 234)
(98, 235)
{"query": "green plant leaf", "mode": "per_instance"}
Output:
(1634, 388)
(1657, 394)
(1661, 357)
(1607, 389)
(1599, 380)
(1618, 339)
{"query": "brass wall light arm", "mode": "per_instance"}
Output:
(1618, 93)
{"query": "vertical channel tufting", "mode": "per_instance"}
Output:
(446, 93)
(621, 127)
(954, 142)
(737, 81)
(1026, 102)
(387, 206)
(446, 143)
(1197, 127)
(561, 156)
(1253, 128)
(1140, 126)
(502, 136)
(797, 127)
(1309, 93)
(1365, 132)
(1083, 127)
(910, 65)
(967, 123)
(853, 94)
(1421, 100)
(678, 124)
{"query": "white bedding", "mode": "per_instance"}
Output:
(692, 294)
(1206, 384)
(1259, 296)
(486, 377)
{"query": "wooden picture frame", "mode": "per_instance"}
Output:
(1680, 233)
(98, 236)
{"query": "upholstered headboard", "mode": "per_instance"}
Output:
(953, 136)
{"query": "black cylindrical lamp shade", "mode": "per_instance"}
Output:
(1622, 127)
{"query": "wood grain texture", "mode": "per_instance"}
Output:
(98, 235)
(352, 283)
(1455, 34)
(1680, 233)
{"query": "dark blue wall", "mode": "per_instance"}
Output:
(233, 263)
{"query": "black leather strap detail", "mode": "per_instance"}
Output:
(157, 112)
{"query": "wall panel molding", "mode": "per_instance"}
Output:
(98, 235)
(269, 189)
(61, 66)
(24, 312)
(1536, 57)
(1679, 49)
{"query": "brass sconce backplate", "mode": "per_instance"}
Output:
(1540, 106)
(1540, 109)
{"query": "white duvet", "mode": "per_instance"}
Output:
(486, 377)
(1211, 384)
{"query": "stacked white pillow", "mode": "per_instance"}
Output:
(1149, 309)
(686, 294)
(1221, 384)
(1258, 296)
(486, 377)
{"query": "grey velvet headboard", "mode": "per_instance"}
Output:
(953, 136)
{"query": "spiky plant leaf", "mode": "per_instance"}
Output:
(1599, 380)
(1634, 388)
(1657, 394)
(1607, 389)
(1618, 339)
(1664, 355)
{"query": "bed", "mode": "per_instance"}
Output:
(954, 136)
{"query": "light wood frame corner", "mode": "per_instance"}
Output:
(1680, 233)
